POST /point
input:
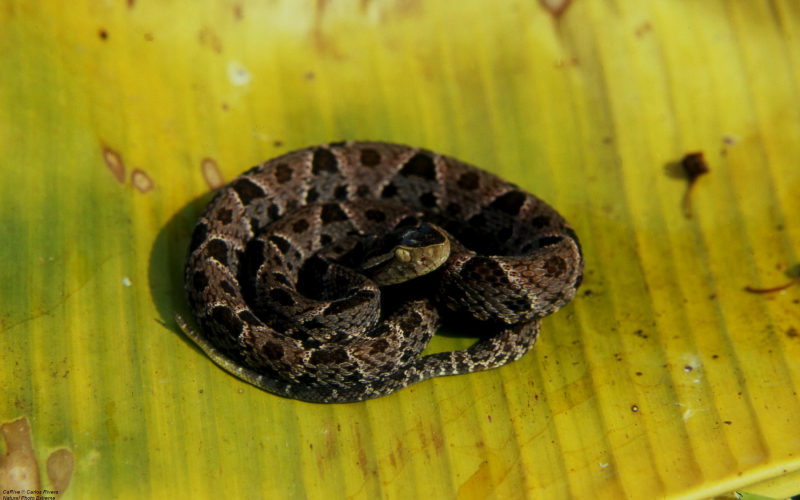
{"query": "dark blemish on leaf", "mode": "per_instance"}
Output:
(114, 163)
(555, 7)
(694, 165)
(588, 293)
(19, 461)
(277, 143)
(640, 333)
(309, 76)
(210, 39)
(774, 289)
(103, 34)
(130, 6)
(59, 467)
(237, 11)
(688, 368)
(148, 37)
(225, 106)
(727, 422)
(643, 29)
(634, 409)
(211, 173)
(141, 181)
(792, 333)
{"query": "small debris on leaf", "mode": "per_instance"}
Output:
(694, 165)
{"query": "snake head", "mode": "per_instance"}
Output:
(404, 254)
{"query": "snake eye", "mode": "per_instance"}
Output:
(402, 255)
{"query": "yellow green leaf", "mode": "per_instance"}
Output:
(664, 378)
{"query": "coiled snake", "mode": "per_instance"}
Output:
(284, 266)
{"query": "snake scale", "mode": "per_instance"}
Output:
(285, 264)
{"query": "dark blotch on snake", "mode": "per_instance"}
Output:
(323, 161)
(281, 296)
(510, 203)
(273, 212)
(198, 237)
(428, 199)
(540, 222)
(340, 193)
(223, 316)
(407, 221)
(389, 190)
(332, 212)
(312, 195)
(370, 157)
(199, 280)
(300, 226)
(339, 306)
(249, 318)
(225, 216)
(218, 250)
(549, 241)
(375, 215)
(362, 191)
(229, 289)
(283, 245)
(282, 279)
(283, 173)
(420, 165)
(323, 356)
(469, 181)
(247, 191)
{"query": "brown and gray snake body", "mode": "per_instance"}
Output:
(513, 259)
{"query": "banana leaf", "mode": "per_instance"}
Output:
(672, 375)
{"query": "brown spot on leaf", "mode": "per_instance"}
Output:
(555, 7)
(209, 38)
(792, 333)
(211, 173)
(141, 181)
(103, 34)
(238, 13)
(694, 165)
(148, 37)
(643, 29)
(60, 465)
(18, 467)
(114, 163)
